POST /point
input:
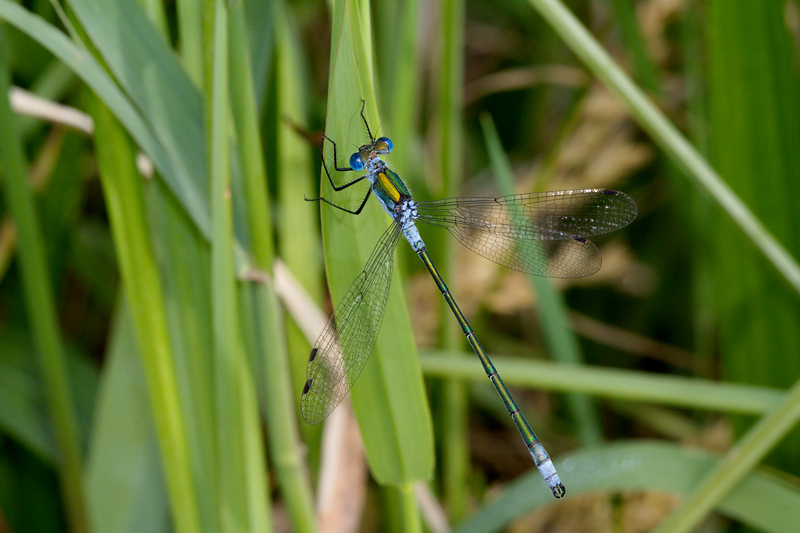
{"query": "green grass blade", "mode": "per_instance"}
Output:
(561, 341)
(249, 151)
(153, 78)
(267, 333)
(755, 142)
(717, 484)
(41, 309)
(295, 171)
(400, 74)
(401, 509)
(23, 417)
(235, 400)
(190, 23)
(448, 85)
(295, 168)
(155, 11)
(296, 179)
(260, 21)
(122, 187)
(183, 256)
(627, 385)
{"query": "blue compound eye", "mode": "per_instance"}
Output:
(356, 163)
(386, 142)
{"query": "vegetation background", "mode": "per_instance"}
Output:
(161, 277)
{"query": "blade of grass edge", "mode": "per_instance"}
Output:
(666, 135)
(448, 89)
(233, 381)
(561, 340)
(737, 464)
(269, 358)
(754, 141)
(623, 385)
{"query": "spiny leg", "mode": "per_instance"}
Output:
(335, 187)
(335, 165)
(356, 212)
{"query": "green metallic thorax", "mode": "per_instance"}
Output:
(389, 188)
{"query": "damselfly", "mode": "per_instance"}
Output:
(539, 233)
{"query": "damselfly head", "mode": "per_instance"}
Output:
(380, 146)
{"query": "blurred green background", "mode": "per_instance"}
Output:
(162, 278)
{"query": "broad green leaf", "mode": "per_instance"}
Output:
(389, 397)
(124, 480)
(153, 78)
(763, 500)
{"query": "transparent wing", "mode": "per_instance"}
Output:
(343, 347)
(539, 233)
